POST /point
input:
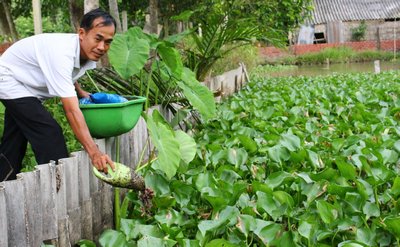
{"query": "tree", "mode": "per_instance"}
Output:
(115, 13)
(274, 19)
(37, 16)
(4, 27)
(11, 30)
(76, 12)
(153, 11)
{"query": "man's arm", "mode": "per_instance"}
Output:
(81, 131)
(81, 93)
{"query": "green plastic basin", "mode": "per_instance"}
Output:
(107, 120)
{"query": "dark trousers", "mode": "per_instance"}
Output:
(27, 120)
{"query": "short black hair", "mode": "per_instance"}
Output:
(89, 17)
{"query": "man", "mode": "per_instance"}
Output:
(45, 66)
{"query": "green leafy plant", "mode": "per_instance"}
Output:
(288, 162)
(358, 33)
(219, 36)
(247, 55)
(145, 65)
(164, 71)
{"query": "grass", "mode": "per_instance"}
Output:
(247, 54)
(334, 55)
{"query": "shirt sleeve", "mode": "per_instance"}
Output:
(57, 63)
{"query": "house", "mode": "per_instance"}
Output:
(338, 21)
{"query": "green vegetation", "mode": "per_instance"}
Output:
(339, 54)
(265, 70)
(286, 162)
(246, 54)
(358, 33)
(55, 24)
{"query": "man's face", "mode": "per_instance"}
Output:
(95, 42)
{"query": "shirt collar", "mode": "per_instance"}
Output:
(77, 63)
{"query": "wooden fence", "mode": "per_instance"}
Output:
(62, 204)
(228, 83)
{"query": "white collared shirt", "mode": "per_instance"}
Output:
(42, 66)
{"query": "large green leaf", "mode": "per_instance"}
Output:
(237, 157)
(267, 231)
(220, 243)
(267, 203)
(148, 241)
(168, 147)
(111, 238)
(199, 96)
(351, 243)
(327, 211)
(347, 170)
(278, 153)
(229, 214)
(171, 58)
(128, 53)
(246, 224)
(290, 141)
(393, 225)
(134, 229)
(82, 243)
(187, 145)
(306, 229)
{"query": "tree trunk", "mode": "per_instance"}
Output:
(113, 4)
(75, 13)
(153, 9)
(166, 27)
(91, 4)
(7, 11)
(4, 27)
(124, 18)
(37, 16)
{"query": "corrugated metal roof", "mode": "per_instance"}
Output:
(354, 10)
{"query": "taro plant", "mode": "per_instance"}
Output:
(155, 68)
(144, 65)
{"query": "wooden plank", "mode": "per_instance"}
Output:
(87, 214)
(63, 233)
(124, 149)
(97, 216)
(83, 176)
(16, 214)
(33, 206)
(48, 190)
(107, 207)
(3, 217)
(93, 180)
(138, 137)
(110, 147)
(74, 226)
(71, 182)
(61, 195)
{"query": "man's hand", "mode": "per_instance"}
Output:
(100, 161)
(81, 131)
(80, 92)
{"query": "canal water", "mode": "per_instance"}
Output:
(315, 70)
